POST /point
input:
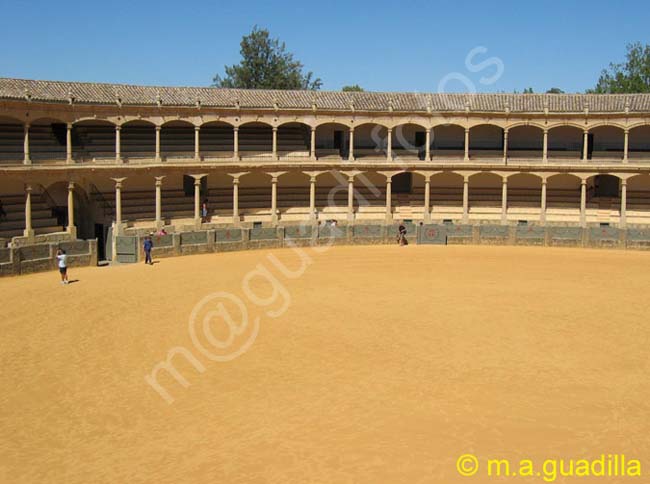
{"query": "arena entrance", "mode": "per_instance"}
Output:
(402, 183)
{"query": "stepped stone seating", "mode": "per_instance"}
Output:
(483, 153)
(137, 142)
(564, 154)
(96, 143)
(45, 146)
(42, 220)
(11, 143)
(328, 154)
(216, 142)
(405, 154)
(453, 153)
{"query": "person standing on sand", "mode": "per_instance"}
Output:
(401, 235)
(148, 245)
(62, 259)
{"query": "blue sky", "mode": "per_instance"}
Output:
(381, 45)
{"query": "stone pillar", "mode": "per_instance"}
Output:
(623, 217)
(159, 221)
(27, 160)
(28, 232)
(427, 200)
(197, 201)
(545, 149)
(68, 144)
(389, 202)
(542, 213)
(274, 200)
(235, 143)
(466, 144)
(71, 228)
(118, 149)
(466, 199)
(389, 145)
(504, 201)
(275, 142)
(583, 203)
(312, 198)
(157, 159)
(118, 207)
(626, 146)
(350, 198)
(235, 200)
(312, 145)
(427, 147)
(585, 146)
(351, 147)
(505, 146)
(197, 143)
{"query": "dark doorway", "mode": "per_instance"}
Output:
(402, 183)
(100, 235)
(606, 186)
(338, 141)
(188, 186)
(420, 142)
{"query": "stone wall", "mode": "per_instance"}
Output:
(27, 259)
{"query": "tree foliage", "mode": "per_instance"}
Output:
(555, 90)
(631, 76)
(352, 88)
(266, 64)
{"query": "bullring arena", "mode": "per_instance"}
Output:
(512, 326)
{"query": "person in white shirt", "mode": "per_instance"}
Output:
(62, 259)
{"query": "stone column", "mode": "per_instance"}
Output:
(623, 217)
(545, 149)
(389, 145)
(350, 198)
(542, 213)
(351, 147)
(118, 150)
(68, 144)
(626, 146)
(197, 143)
(427, 199)
(505, 146)
(27, 160)
(118, 206)
(275, 142)
(235, 201)
(504, 201)
(274, 200)
(583, 203)
(585, 147)
(312, 198)
(159, 220)
(389, 202)
(466, 199)
(28, 232)
(312, 145)
(71, 228)
(427, 147)
(157, 159)
(235, 143)
(466, 144)
(197, 200)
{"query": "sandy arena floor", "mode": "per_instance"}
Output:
(383, 365)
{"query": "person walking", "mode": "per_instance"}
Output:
(204, 211)
(62, 259)
(148, 245)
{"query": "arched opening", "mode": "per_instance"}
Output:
(293, 196)
(255, 140)
(607, 142)
(12, 140)
(294, 140)
(638, 199)
(370, 141)
(409, 142)
(486, 141)
(48, 140)
(524, 197)
(84, 208)
(177, 140)
(565, 142)
(332, 141)
(93, 140)
(525, 142)
(639, 143)
(485, 190)
(563, 198)
(137, 140)
(216, 140)
(446, 196)
(604, 187)
(448, 141)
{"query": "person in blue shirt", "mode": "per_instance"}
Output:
(148, 245)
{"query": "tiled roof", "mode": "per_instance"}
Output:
(98, 93)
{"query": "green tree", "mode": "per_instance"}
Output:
(555, 90)
(631, 76)
(266, 64)
(528, 90)
(352, 88)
